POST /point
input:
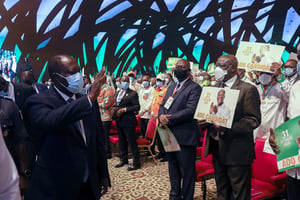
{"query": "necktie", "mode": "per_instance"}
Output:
(86, 168)
(120, 96)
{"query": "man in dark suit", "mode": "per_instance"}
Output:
(18, 93)
(127, 107)
(177, 112)
(71, 162)
(27, 77)
(233, 149)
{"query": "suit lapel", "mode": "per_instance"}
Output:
(181, 89)
(125, 96)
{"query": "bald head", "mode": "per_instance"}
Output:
(62, 64)
(184, 64)
(27, 77)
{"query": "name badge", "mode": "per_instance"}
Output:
(169, 103)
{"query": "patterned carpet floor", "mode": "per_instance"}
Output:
(151, 182)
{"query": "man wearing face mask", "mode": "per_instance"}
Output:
(290, 73)
(118, 84)
(293, 110)
(177, 112)
(233, 149)
(71, 163)
(273, 103)
(128, 105)
(145, 100)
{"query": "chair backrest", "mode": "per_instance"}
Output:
(265, 164)
(207, 159)
(151, 129)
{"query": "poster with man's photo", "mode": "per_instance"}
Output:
(288, 139)
(217, 105)
(258, 56)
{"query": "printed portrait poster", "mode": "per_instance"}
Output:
(217, 105)
(168, 139)
(287, 137)
(258, 56)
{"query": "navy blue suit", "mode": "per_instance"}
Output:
(186, 131)
(60, 167)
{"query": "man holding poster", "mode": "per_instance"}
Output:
(293, 110)
(233, 148)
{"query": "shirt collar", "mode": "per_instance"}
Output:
(63, 95)
(231, 81)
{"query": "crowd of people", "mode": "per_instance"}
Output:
(57, 133)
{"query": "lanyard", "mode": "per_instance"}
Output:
(265, 93)
(176, 89)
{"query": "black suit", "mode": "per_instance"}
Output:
(63, 156)
(186, 131)
(126, 124)
(234, 152)
(22, 91)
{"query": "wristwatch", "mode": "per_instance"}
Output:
(26, 173)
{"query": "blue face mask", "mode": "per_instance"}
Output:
(75, 82)
(298, 68)
(288, 72)
(159, 83)
(3, 94)
(124, 85)
(146, 83)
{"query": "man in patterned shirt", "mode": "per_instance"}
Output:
(106, 99)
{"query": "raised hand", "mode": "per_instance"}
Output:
(99, 80)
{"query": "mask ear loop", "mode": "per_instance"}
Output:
(61, 76)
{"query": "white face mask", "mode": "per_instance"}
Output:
(220, 74)
(265, 79)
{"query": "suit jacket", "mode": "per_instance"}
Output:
(63, 153)
(130, 101)
(236, 145)
(182, 122)
(22, 92)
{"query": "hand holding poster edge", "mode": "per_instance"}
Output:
(222, 113)
(288, 139)
(168, 139)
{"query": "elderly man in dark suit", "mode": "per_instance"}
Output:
(71, 162)
(177, 112)
(128, 105)
(233, 149)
